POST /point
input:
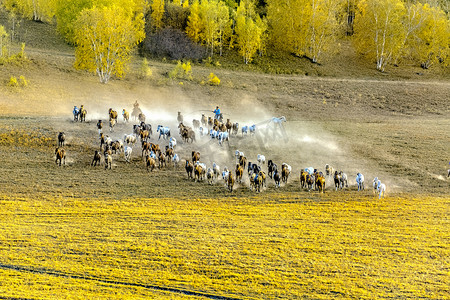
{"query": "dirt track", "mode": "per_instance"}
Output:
(396, 130)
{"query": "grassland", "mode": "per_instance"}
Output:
(283, 247)
(85, 232)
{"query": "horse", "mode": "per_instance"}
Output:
(125, 115)
(285, 172)
(239, 173)
(146, 146)
(189, 169)
(271, 168)
(223, 136)
(196, 124)
(216, 170)
(60, 155)
(258, 181)
(320, 183)
(96, 159)
(144, 135)
(169, 153)
(150, 163)
(175, 160)
(172, 142)
(229, 126)
(76, 113)
(242, 161)
(112, 114)
(344, 180)
(100, 126)
(252, 129)
(112, 123)
(204, 121)
(163, 131)
(83, 113)
(230, 181)
(141, 117)
(61, 139)
(108, 160)
(277, 178)
(329, 170)
(210, 176)
(261, 159)
(337, 180)
(381, 190)
(179, 118)
(195, 156)
(127, 153)
(310, 181)
(244, 130)
(303, 176)
(360, 181)
(199, 171)
(129, 139)
(235, 128)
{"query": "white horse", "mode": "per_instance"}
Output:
(210, 176)
(175, 160)
(360, 181)
(223, 136)
(172, 142)
(244, 129)
(214, 134)
(381, 190)
(127, 153)
(216, 170)
(129, 139)
(252, 129)
(261, 159)
(163, 131)
(376, 184)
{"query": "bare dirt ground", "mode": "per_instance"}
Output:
(394, 129)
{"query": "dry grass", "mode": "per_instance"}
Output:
(280, 248)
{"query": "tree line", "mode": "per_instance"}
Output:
(386, 32)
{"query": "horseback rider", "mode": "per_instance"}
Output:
(100, 126)
(217, 114)
(76, 112)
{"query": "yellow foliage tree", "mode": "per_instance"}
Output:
(323, 27)
(37, 10)
(104, 37)
(194, 25)
(306, 28)
(379, 30)
(288, 21)
(157, 13)
(210, 26)
(249, 31)
(432, 41)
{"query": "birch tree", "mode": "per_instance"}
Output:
(104, 38)
(379, 30)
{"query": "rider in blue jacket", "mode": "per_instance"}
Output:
(217, 113)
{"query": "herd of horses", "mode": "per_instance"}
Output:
(155, 157)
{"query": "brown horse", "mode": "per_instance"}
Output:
(189, 168)
(230, 182)
(320, 183)
(195, 156)
(239, 173)
(60, 155)
(150, 163)
(303, 175)
(112, 114)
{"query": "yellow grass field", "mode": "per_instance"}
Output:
(234, 248)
